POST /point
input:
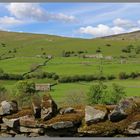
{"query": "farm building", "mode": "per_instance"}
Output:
(93, 56)
(43, 87)
(108, 57)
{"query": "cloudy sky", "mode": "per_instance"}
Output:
(86, 20)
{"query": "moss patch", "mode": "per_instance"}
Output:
(21, 113)
(109, 128)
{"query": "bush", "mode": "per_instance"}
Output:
(6, 76)
(128, 49)
(123, 75)
(96, 93)
(111, 77)
(101, 94)
(134, 75)
(24, 93)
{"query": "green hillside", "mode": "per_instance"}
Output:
(27, 44)
(20, 52)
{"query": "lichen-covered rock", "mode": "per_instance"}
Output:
(62, 125)
(12, 123)
(31, 130)
(7, 108)
(33, 135)
(93, 115)
(67, 110)
(124, 108)
(6, 135)
(133, 128)
(48, 108)
(27, 121)
(3, 126)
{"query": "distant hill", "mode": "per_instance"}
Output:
(131, 35)
(28, 44)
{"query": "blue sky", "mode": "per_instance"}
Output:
(86, 20)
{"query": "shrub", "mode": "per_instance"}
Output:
(98, 50)
(123, 75)
(134, 75)
(96, 93)
(25, 90)
(111, 77)
(101, 94)
(117, 93)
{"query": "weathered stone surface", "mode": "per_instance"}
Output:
(124, 108)
(33, 135)
(6, 135)
(117, 115)
(7, 108)
(133, 128)
(93, 115)
(28, 121)
(31, 130)
(48, 108)
(3, 126)
(67, 110)
(62, 125)
(12, 123)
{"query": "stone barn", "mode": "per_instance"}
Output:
(43, 87)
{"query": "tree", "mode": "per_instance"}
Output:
(25, 91)
(3, 44)
(101, 94)
(98, 50)
(117, 93)
(96, 93)
(26, 87)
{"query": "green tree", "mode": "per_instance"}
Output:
(117, 93)
(101, 94)
(25, 91)
(96, 93)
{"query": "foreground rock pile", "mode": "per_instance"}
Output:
(46, 119)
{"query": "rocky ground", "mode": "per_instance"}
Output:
(46, 119)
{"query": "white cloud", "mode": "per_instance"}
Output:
(101, 30)
(124, 23)
(138, 22)
(9, 21)
(30, 11)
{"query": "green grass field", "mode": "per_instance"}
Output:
(29, 46)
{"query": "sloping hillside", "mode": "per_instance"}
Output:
(27, 44)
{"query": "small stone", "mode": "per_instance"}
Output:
(33, 135)
(31, 130)
(62, 125)
(12, 123)
(27, 121)
(93, 115)
(67, 110)
(48, 108)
